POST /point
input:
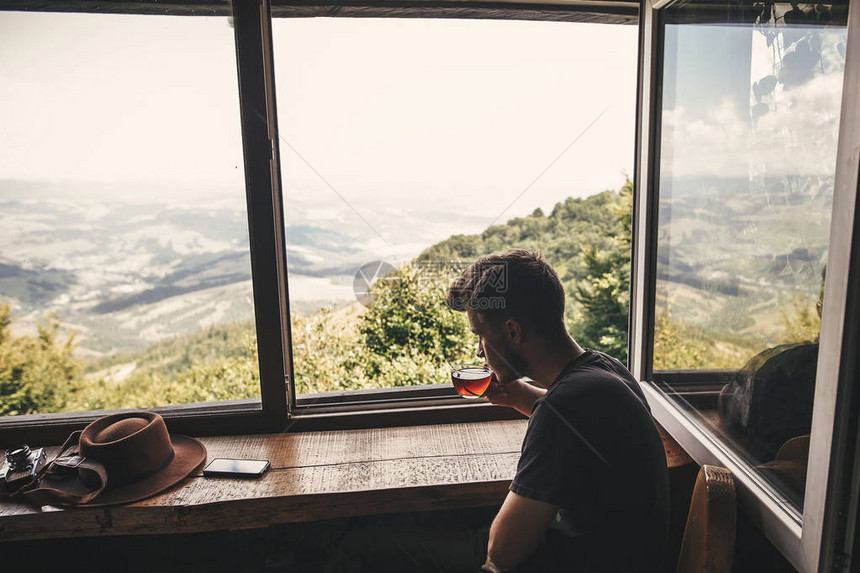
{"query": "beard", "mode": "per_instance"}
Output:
(512, 365)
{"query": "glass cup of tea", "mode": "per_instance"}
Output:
(471, 380)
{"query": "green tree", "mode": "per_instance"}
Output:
(402, 339)
(217, 363)
(679, 347)
(604, 293)
(587, 241)
(801, 321)
(37, 373)
(327, 351)
(409, 316)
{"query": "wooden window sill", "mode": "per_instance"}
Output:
(313, 475)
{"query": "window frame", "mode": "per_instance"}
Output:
(427, 403)
(279, 408)
(808, 540)
(255, 81)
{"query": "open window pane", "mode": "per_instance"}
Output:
(410, 147)
(124, 253)
(750, 116)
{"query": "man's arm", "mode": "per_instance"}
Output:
(517, 530)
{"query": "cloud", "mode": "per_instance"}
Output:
(796, 135)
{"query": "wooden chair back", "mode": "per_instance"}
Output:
(709, 538)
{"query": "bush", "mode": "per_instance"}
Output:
(409, 317)
(37, 374)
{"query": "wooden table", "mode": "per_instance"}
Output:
(315, 475)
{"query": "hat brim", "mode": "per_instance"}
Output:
(189, 454)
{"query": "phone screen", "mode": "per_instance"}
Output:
(236, 468)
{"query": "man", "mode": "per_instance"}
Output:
(591, 489)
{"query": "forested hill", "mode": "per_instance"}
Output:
(560, 236)
(587, 241)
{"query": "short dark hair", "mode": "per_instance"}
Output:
(516, 284)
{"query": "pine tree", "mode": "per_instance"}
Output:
(604, 293)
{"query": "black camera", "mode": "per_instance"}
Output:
(22, 467)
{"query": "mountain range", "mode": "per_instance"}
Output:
(125, 270)
(126, 267)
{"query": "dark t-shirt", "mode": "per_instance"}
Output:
(592, 449)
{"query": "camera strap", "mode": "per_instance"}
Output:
(69, 479)
(35, 479)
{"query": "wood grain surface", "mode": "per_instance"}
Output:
(313, 476)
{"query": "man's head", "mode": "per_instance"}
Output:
(513, 301)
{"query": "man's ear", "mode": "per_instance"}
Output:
(514, 331)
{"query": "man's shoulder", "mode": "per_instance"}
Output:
(592, 368)
(594, 377)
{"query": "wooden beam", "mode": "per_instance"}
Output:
(605, 12)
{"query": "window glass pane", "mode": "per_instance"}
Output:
(750, 116)
(124, 252)
(411, 147)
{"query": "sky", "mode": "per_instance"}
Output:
(409, 131)
(707, 128)
(442, 107)
(119, 98)
(377, 109)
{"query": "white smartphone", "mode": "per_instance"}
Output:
(224, 467)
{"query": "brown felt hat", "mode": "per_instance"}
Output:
(139, 456)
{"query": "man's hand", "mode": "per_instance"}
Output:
(518, 394)
(517, 531)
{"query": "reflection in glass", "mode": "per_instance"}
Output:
(750, 117)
